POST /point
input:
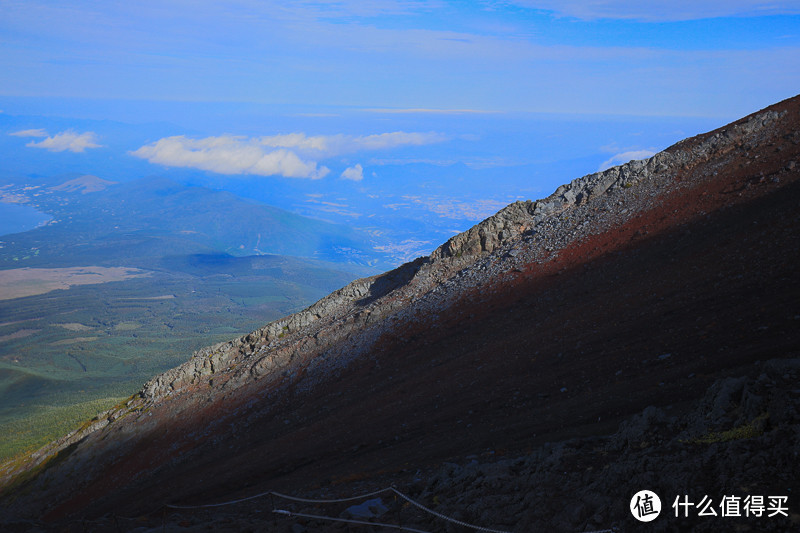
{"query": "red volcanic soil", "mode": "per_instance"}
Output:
(700, 286)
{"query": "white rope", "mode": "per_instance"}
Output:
(444, 517)
(319, 517)
(434, 513)
(350, 499)
(218, 504)
(279, 495)
(341, 500)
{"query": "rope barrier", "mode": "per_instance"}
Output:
(279, 495)
(350, 521)
(341, 500)
(350, 499)
(443, 517)
(220, 504)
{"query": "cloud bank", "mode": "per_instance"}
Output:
(65, 141)
(293, 155)
(332, 145)
(228, 155)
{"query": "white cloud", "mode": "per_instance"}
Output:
(30, 133)
(624, 157)
(229, 155)
(332, 145)
(298, 141)
(293, 155)
(662, 10)
(67, 140)
(355, 173)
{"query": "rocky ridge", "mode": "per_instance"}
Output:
(521, 233)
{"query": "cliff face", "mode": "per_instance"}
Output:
(531, 326)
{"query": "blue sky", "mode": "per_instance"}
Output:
(670, 57)
(435, 112)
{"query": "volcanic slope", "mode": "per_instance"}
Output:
(556, 321)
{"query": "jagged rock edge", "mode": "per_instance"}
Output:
(507, 225)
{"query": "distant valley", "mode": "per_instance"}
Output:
(124, 280)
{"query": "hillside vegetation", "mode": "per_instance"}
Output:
(114, 289)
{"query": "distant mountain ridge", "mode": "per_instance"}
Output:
(554, 319)
(133, 223)
(84, 185)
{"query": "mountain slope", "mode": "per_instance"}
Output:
(556, 319)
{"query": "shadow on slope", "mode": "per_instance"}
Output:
(570, 354)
